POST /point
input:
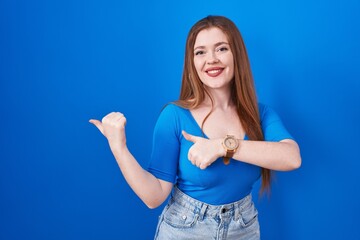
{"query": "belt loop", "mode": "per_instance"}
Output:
(237, 210)
(202, 211)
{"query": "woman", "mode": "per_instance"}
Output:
(210, 146)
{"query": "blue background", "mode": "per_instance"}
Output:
(64, 62)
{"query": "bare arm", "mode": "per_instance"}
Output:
(150, 190)
(281, 156)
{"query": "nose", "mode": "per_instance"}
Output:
(212, 58)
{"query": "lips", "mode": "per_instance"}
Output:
(214, 72)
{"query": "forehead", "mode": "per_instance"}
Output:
(210, 36)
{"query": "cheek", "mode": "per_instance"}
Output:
(232, 68)
(198, 65)
(229, 61)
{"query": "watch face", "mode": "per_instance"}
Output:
(231, 143)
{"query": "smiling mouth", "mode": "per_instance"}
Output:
(214, 72)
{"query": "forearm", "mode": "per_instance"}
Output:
(281, 156)
(151, 190)
(148, 188)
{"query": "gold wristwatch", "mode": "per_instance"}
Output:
(230, 144)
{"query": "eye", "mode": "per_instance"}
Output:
(199, 52)
(222, 49)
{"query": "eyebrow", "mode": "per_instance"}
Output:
(216, 45)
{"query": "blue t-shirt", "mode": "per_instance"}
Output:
(219, 183)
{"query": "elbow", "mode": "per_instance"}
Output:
(294, 157)
(297, 159)
(153, 204)
(156, 197)
(291, 164)
(295, 162)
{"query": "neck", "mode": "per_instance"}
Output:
(221, 98)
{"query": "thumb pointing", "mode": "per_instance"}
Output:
(189, 137)
(97, 124)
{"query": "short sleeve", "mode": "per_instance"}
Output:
(166, 145)
(272, 126)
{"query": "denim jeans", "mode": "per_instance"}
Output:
(187, 218)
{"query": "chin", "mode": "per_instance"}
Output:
(216, 85)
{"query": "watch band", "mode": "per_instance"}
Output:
(226, 160)
(230, 151)
(227, 157)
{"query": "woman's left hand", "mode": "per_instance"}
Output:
(204, 151)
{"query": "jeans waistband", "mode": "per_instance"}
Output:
(203, 209)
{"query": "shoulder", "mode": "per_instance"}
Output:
(263, 109)
(171, 112)
(172, 109)
(171, 115)
(271, 124)
(267, 113)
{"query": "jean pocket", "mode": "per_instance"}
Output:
(249, 216)
(179, 217)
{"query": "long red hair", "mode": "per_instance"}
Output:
(193, 93)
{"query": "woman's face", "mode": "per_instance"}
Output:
(213, 59)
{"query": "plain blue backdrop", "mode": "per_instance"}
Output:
(64, 62)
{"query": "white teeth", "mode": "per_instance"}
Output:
(214, 71)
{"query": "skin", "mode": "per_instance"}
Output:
(213, 52)
(280, 156)
(150, 190)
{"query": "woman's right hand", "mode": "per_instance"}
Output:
(152, 191)
(112, 126)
